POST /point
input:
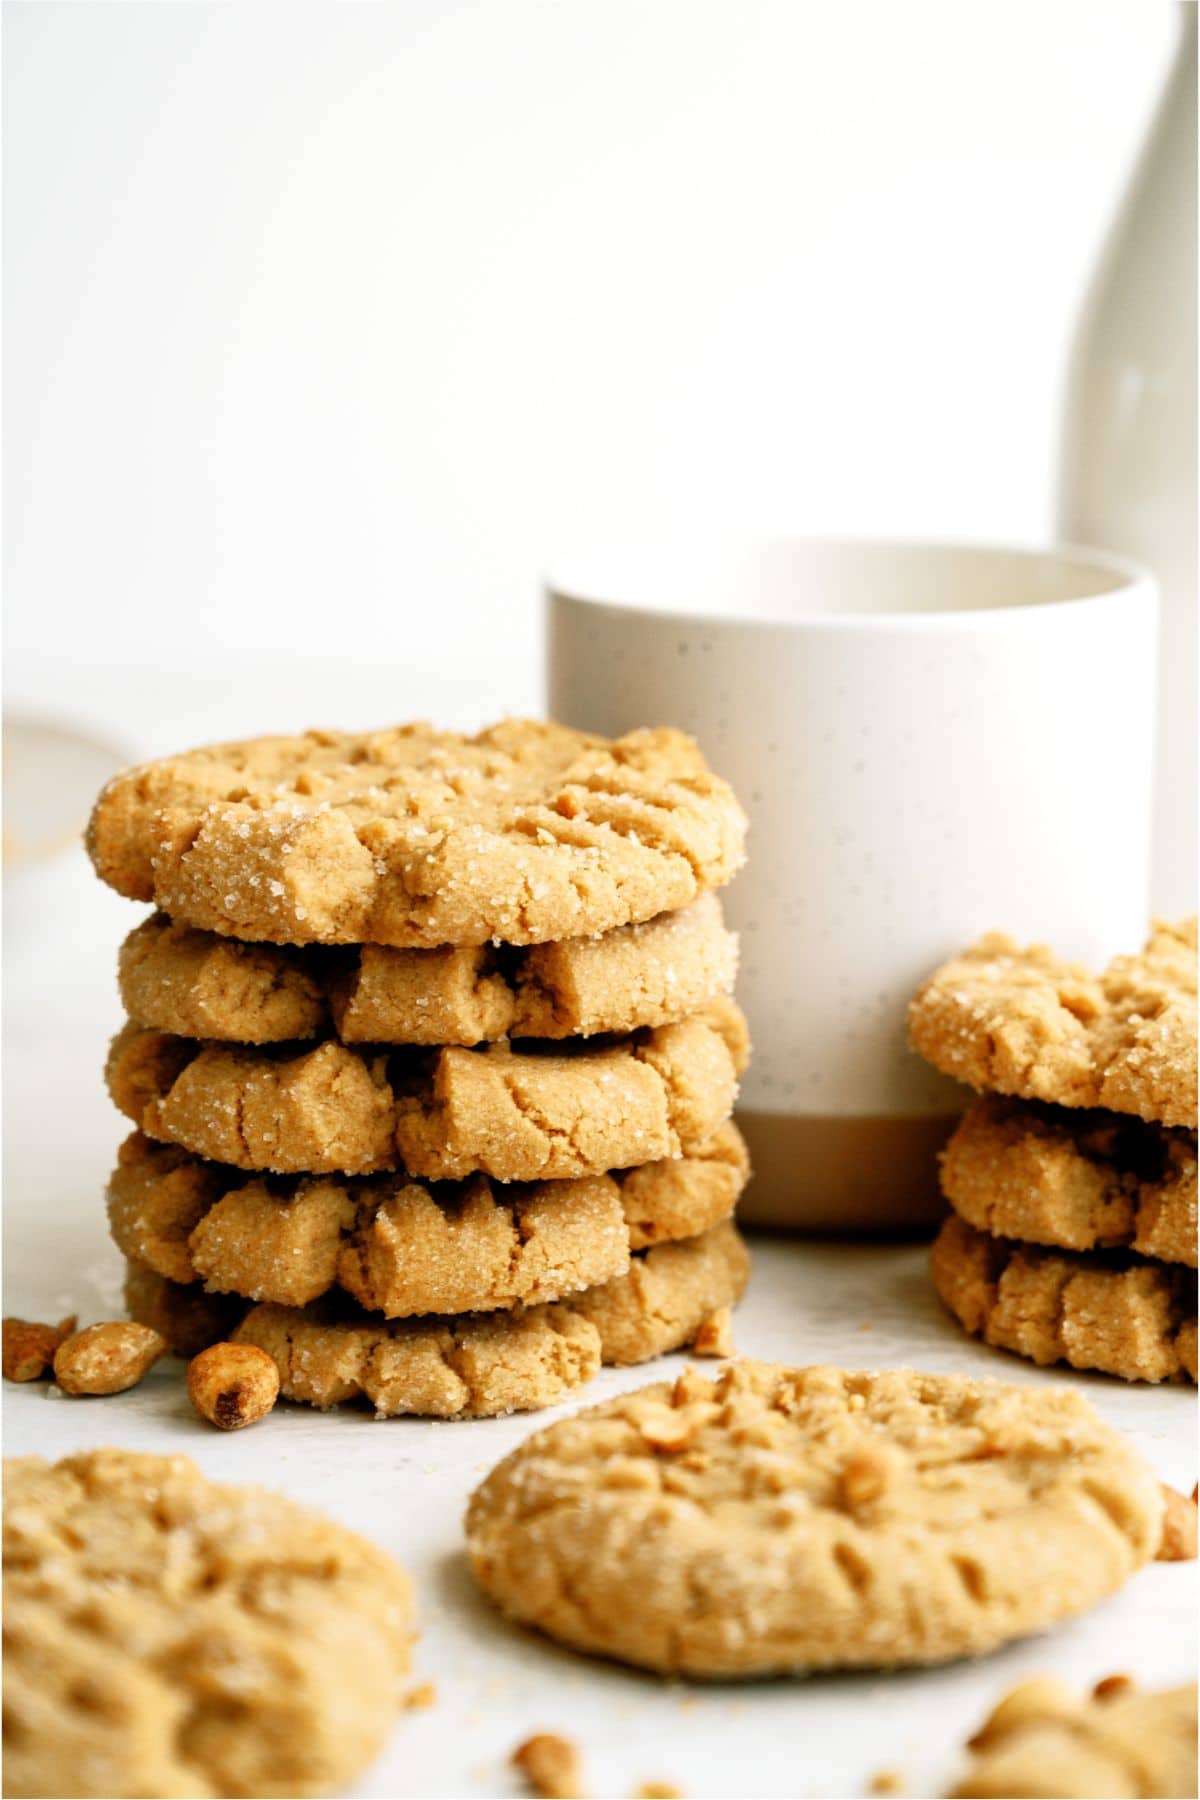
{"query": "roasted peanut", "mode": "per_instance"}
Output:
(1109, 1686)
(551, 1765)
(108, 1358)
(887, 1781)
(28, 1348)
(232, 1385)
(1179, 1527)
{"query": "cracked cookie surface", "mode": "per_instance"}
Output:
(165, 1635)
(491, 1363)
(517, 1114)
(197, 984)
(402, 1247)
(667, 1294)
(1114, 1312)
(1043, 1742)
(478, 1367)
(781, 1520)
(1025, 1023)
(412, 837)
(1081, 1181)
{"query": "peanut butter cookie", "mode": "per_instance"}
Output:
(1110, 1311)
(187, 1317)
(517, 1114)
(1044, 1741)
(1082, 1181)
(489, 1363)
(197, 984)
(781, 1520)
(667, 1295)
(477, 1367)
(417, 838)
(164, 1635)
(402, 1247)
(1021, 1022)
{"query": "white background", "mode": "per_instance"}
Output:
(327, 325)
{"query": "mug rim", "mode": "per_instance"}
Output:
(1127, 581)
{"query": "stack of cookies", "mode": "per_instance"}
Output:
(431, 1057)
(1073, 1180)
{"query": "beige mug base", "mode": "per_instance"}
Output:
(858, 1175)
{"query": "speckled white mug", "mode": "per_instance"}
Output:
(930, 741)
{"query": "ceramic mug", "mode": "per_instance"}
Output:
(931, 741)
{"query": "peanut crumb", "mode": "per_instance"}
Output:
(107, 1358)
(665, 1430)
(421, 1697)
(551, 1765)
(1111, 1685)
(29, 1346)
(715, 1336)
(887, 1781)
(864, 1478)
(690, 1386)
(1179, 1527)
(232, 1385)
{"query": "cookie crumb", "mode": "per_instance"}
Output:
(420, 1698)
(107, 1358)
(1111, 1685)
(1179, 1527)
(715, 1336)
(233, 1385)
(887, 1781)
(551, 1765)
(29, 1346)
(658, 1790)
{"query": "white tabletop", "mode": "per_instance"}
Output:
(405, 1482)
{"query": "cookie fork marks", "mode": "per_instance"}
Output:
(1024, 1023)
(513, 1114)
(790, 1519)
(416, 838)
